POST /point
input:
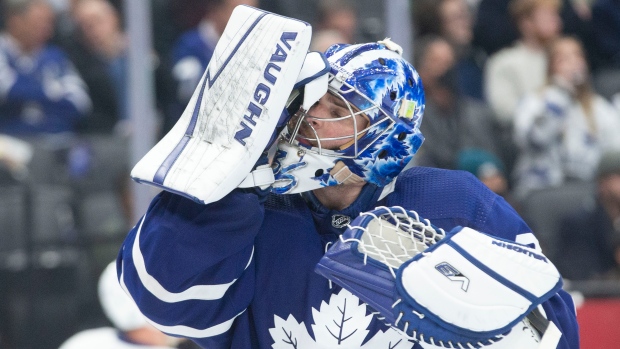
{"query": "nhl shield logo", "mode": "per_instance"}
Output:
(340, 221)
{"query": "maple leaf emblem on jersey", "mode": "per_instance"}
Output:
(341, 323)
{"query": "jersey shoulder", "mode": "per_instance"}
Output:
(457, 197)
(441, 184)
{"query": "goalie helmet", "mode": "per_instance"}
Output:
(372, 80)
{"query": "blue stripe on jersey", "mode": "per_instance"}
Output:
(560, 309)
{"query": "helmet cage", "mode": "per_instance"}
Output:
(350, 150)
(374, 81)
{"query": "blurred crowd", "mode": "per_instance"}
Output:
(523, 94)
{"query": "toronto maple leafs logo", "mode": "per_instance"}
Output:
(341, 323)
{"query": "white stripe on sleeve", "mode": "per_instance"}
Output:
(197, 292)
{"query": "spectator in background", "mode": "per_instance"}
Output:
(336, 24)
(563, 130)
(494, 29)
(338, 15)
(193, 50)
(100, 55)
(40, 90)
(590, 238)
(606, 27)
(131, 330)
(323, 39)
(487, 167)
(457, 27)
(452, 121)
(521, 69)
(453, 20)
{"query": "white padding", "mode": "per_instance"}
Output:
(551, 337)
(314, 76)
(314, 90)
(261, 177)
(479, 293)
(234, 110)
(519, 264)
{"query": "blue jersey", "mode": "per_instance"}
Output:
(41, 92)
(239, 273)
(190, 57)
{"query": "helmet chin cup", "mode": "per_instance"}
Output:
(292, 163)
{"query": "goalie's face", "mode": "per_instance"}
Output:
(330, 124)
(364, 129)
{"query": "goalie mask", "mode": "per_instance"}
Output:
(383, 99)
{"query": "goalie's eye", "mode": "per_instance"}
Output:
(339, 113)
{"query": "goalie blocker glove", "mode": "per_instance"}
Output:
(464, 289)
(237, 109)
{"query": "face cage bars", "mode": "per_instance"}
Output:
(296, 122)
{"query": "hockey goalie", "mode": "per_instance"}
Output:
(291, 215)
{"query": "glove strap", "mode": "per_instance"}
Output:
(261, 177)
(549, 332)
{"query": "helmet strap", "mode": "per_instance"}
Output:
(343, 175)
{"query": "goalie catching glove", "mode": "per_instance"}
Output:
(463, 289)
(237, 109)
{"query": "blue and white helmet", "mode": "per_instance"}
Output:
(374, 81)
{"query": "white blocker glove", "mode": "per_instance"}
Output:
(236, 110)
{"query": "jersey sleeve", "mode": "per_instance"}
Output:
(189, 267)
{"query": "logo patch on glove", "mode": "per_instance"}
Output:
(453, 274)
